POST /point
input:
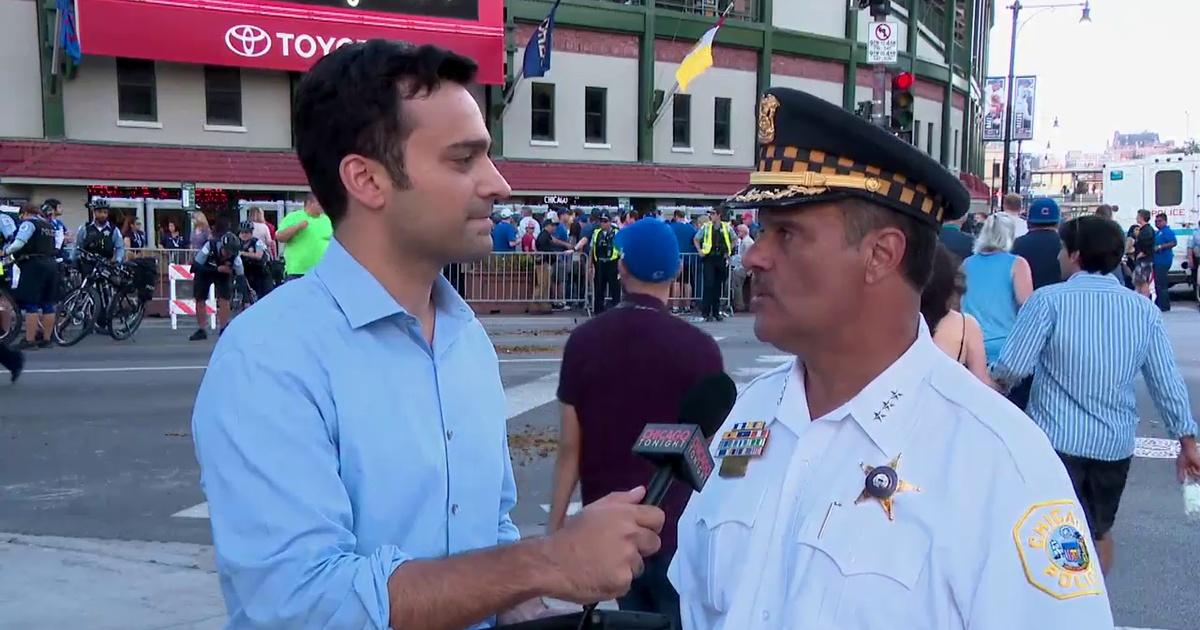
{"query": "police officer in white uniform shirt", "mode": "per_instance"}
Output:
(873, 482)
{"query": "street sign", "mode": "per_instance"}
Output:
(882, 42)
(187, 196)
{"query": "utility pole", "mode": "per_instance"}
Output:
(880, 9)
(1008, 104)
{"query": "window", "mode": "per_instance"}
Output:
(223, 95)
(681, 121)
(595, 115)
(916, 139)
(955, 162)
(659, 95)
(722, 114)
(137, 97)
(541, 116)
(1168, 188)
(929, 139)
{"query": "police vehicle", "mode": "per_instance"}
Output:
(1169, 184)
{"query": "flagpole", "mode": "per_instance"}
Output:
(675, 88)
(54, 56)
(511, 92)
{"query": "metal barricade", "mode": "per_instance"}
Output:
(162, 287)
(530, 282)
(687, 292)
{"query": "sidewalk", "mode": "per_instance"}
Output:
(52, 582)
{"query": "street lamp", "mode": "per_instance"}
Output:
(1016, 7)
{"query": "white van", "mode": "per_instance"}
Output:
(1169, 184)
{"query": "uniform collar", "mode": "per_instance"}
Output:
(885, 409)
(364, 301)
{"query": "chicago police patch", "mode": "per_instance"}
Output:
(1055, 553)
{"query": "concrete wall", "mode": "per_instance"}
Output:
(924, 112)
(72, 198)
(571, 74)
(20, 72)
(823, 17)
(739, 85)
(954, 161)
(91, 108)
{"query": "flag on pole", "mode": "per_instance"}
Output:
(699, 60)
(537, 50)
(70, 35)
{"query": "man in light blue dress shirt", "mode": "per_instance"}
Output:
(1088, 338)
(350, 428)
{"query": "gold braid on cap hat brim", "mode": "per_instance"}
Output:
(807, 183)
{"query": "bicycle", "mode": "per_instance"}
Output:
(110, 299)
(10, 312)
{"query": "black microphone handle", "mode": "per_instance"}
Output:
(656, 490)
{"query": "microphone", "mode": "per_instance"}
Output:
(681, 450)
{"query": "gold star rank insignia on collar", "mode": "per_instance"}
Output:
(882, 484)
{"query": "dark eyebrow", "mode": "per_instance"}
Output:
(474, 146)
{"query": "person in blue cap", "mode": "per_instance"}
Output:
(1040, 246)
(658, 357)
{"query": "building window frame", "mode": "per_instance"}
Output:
(681, 122)
(137, 91)
(541, 112)
(722, 124)
(595, 115)
(223, 89)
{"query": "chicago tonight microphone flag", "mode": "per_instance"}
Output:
(539, 46)
(699, 60)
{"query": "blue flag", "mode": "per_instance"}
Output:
(537, 50)
(70, 35)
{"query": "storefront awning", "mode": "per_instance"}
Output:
(86, 164)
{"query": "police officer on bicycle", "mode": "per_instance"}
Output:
(214, 267)
(100, 237)
(254, 255)
(33, 249)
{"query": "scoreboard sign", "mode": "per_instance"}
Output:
(287, 35)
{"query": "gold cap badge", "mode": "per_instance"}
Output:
(766, 118)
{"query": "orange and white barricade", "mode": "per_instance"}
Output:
(187, 306)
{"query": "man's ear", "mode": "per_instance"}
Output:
(883, 252)
(366, 181)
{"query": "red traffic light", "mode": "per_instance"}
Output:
(903, 81)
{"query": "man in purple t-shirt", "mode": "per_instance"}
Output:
(658, 357)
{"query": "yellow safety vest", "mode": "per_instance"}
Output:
(706, 238)
(616, 253)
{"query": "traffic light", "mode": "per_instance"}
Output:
(902, 103)
(879, 8)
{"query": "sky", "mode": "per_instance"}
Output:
(1131, 69)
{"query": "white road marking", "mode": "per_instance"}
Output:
(520, 399)
(572, 509)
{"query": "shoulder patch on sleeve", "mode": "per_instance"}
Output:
(1055, 553)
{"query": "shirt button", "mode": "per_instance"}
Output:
(765, 615)
(449, 435)
(454, 509)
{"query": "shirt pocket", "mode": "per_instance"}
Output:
(867, 567)
(724, 530)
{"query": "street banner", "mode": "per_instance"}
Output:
(994, 98)
(1024, 97)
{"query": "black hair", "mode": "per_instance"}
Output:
(1144, 215)
(920, 238)
(679, 214)
(1099, 242)
(942, 285)
(1161, 215)
(351, 102)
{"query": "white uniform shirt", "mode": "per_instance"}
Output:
(990, 542)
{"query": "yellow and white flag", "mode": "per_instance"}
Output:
(699, 60)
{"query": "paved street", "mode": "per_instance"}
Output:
(103, 518)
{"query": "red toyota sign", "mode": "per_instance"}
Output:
(287, 36)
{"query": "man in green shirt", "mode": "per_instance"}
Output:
(307, 234)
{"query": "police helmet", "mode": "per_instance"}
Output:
(246, 226)
(49, 205)
(98, 204)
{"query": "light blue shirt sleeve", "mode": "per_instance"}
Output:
(7, 226)
(508, 532)
(118, 245)
(281, 517)
(1166, 385)
(79, 236)
(1025, 343)
(202, 255)
(24, 233)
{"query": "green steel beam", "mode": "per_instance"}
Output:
(914, 35)
(495, 93)
(850, 78)
(53, 117)
(607, 16)
(808, 45)
(948, 97)
(646, 59)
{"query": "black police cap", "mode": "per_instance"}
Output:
(814, 151)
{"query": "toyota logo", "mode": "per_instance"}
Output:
(247, 40)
